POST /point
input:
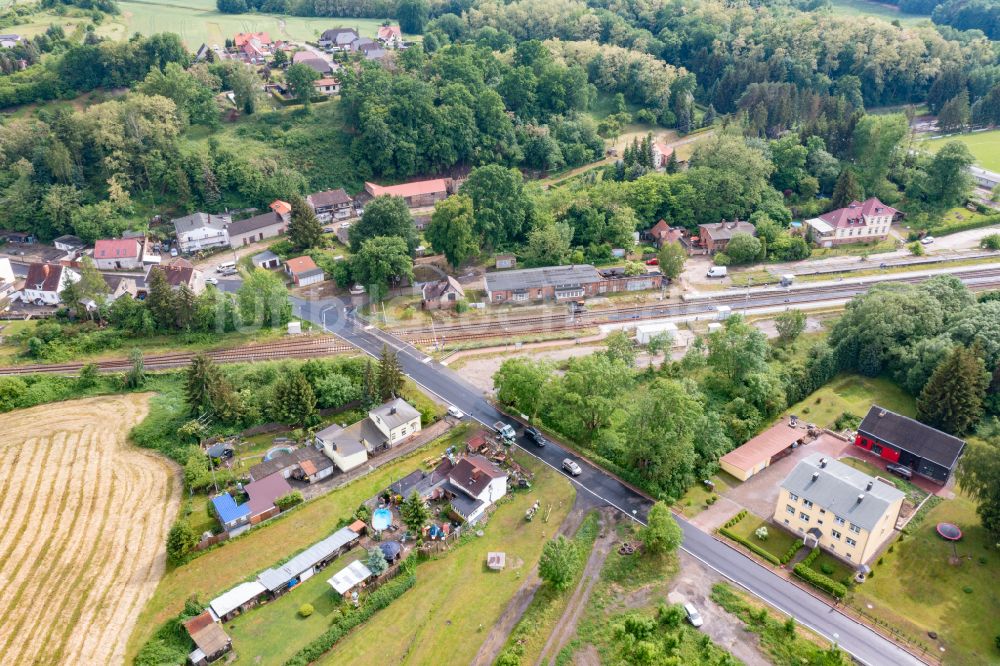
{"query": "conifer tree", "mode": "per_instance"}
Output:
(847, 189)
(161, 300)
(390, 375)
(294, 400)
(304, 230)
(952, 399)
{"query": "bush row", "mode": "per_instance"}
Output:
(976, 223)
(373, 603)
(790, 553)
(811, 557)
(735, 519)
(820, 581)
(751, 545)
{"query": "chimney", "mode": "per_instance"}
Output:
(392, 410)
(882, 413)
(861, 497)
(45, 270)
(869, 486)
(822, 462)
(815, 475)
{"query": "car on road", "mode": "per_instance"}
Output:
(571, 467)
(211, 279)
(455, 412)
(900, 470)
(693, 616)
(173, 252)
(927, 240)
(535, 435)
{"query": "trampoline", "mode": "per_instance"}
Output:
(949, 531)
(381, 519)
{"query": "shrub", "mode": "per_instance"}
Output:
(826, 568)
(820, 581)
(790, 553)
(890, 548)
(305, 610)
(737, 518)
(811, 557)
(991, 242)
(288, 501)
(881, 560)
(754, 548)
(761, 533)
(982, 559)
(967, 589)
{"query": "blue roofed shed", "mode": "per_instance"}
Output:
(229, 512)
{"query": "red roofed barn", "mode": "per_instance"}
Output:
(417, 195)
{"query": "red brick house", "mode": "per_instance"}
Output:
(716, 236)
(662, 233)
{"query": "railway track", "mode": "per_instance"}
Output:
(988, 278)
(305, 347)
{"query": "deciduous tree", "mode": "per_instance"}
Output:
(385, 216)
(451, 229)
(662, 534)
(380, 262)
(671, 258)
(558, 563)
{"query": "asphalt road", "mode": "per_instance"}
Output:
(858, 640)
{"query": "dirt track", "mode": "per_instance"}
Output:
(85, 521)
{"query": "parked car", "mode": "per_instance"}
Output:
(927, 240)
(455, 412)
(173, 252)
(211, 279)
(655, 261)
(693, 616)
(571, 467)
(535, 435)
(900, 470)
(506, 432)
(717, 272)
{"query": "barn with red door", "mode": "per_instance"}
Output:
(905, 441)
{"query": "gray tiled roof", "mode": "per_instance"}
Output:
(395, 413)
(533, 278)
(199, 220)
(836, 488)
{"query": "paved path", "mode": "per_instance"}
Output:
(864, 644)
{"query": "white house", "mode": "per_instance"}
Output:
(45, 282)
(386, 426)
(116, 254)
(661, 155)
(481, 484)
(860, 222)
(201, 231)
(391, 36)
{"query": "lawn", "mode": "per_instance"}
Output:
(880, 10)
(264, 635)
(839, 571)
(916, 590)
(220, 569)
(778, 541)
(694, 500)
(854, 249)
(984, 146)
(854, 394)
(456, 599)
(198, 22)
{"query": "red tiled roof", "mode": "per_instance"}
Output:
(325, 81)
(387, 32)
(763, 447)
(245, 37)
(300, 264)
(117, 248)
(663, 149)
(854, 214)
(281, 207)
(409, 189)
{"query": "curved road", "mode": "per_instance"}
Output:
(859, 641)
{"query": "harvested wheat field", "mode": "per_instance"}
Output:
(84, 522)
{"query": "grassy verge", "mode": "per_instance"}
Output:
(628, 613)
(697, 498)
(526, 642)
(917, 588)
(853, 394)
(218, 570)
(786, 643)
(823, 277)
(456, 597)
(854, 249)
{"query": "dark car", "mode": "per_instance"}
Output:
(900, 470)
(535, 435)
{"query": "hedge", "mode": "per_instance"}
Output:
(819, 580)
(373, 603)
(968, 225)
(811, 557)
(752, 546)
(790, 553)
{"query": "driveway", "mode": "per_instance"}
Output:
(962, 240)
(760, 492)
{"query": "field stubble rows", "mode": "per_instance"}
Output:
(82, 546)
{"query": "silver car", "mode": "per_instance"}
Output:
(571, 467)
(693, 616)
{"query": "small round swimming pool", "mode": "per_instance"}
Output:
(277, 451)
(381, 519)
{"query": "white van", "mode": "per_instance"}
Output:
(717, 271)
(222, 268)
